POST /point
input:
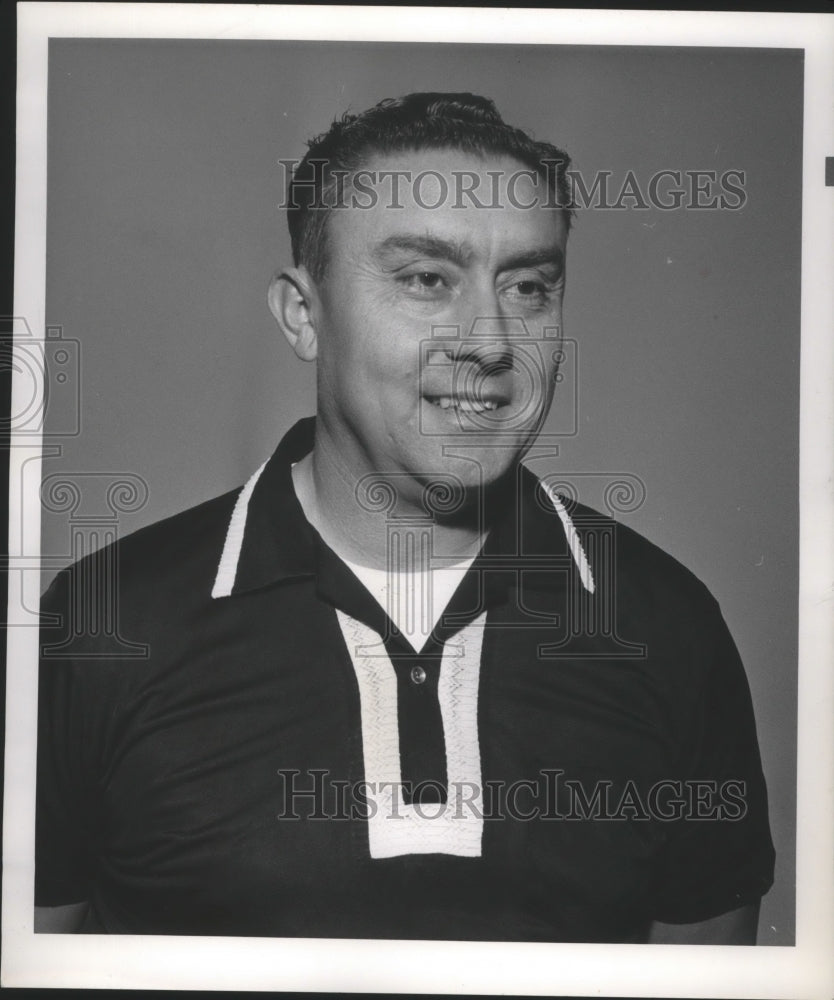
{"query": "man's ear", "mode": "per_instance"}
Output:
(291, 300)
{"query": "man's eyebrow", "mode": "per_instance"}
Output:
(425, 246)
(534, 258)
(438, 248)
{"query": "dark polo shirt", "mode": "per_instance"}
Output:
(201, 758)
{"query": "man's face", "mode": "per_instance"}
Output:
(439, 326)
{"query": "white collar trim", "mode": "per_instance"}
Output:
(227, 569)
(578, 553)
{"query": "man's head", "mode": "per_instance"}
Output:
(428, 281)
(422, 121)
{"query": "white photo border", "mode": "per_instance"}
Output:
(349, 965)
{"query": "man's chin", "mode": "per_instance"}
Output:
(478, 460)
(445, 479)
(455, 490)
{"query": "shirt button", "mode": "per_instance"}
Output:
(418, 675)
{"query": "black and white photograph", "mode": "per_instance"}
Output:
(419, 538)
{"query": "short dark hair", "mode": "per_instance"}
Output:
(417, 121)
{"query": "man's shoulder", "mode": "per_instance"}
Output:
(621, 557)
(203, 521)
(175, 554)
(638, 556)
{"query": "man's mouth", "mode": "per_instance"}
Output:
(463, 404)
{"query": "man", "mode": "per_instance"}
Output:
(395, 686)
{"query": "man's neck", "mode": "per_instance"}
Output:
(327, 494)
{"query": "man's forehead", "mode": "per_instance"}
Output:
(446, 202)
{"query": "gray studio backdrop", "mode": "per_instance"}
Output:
(164, 229)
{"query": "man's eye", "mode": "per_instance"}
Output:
(530, 288)
(532, 293)
(423, 282)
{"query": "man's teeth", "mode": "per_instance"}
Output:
(467, 405)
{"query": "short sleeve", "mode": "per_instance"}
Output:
(718, 855)
(64, 843)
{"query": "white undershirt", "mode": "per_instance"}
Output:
(414, 601)
(415, 598)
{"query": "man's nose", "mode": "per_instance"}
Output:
(487, 340)
(459, 346)
(480, 331)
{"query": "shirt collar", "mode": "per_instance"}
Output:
(269, 540)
